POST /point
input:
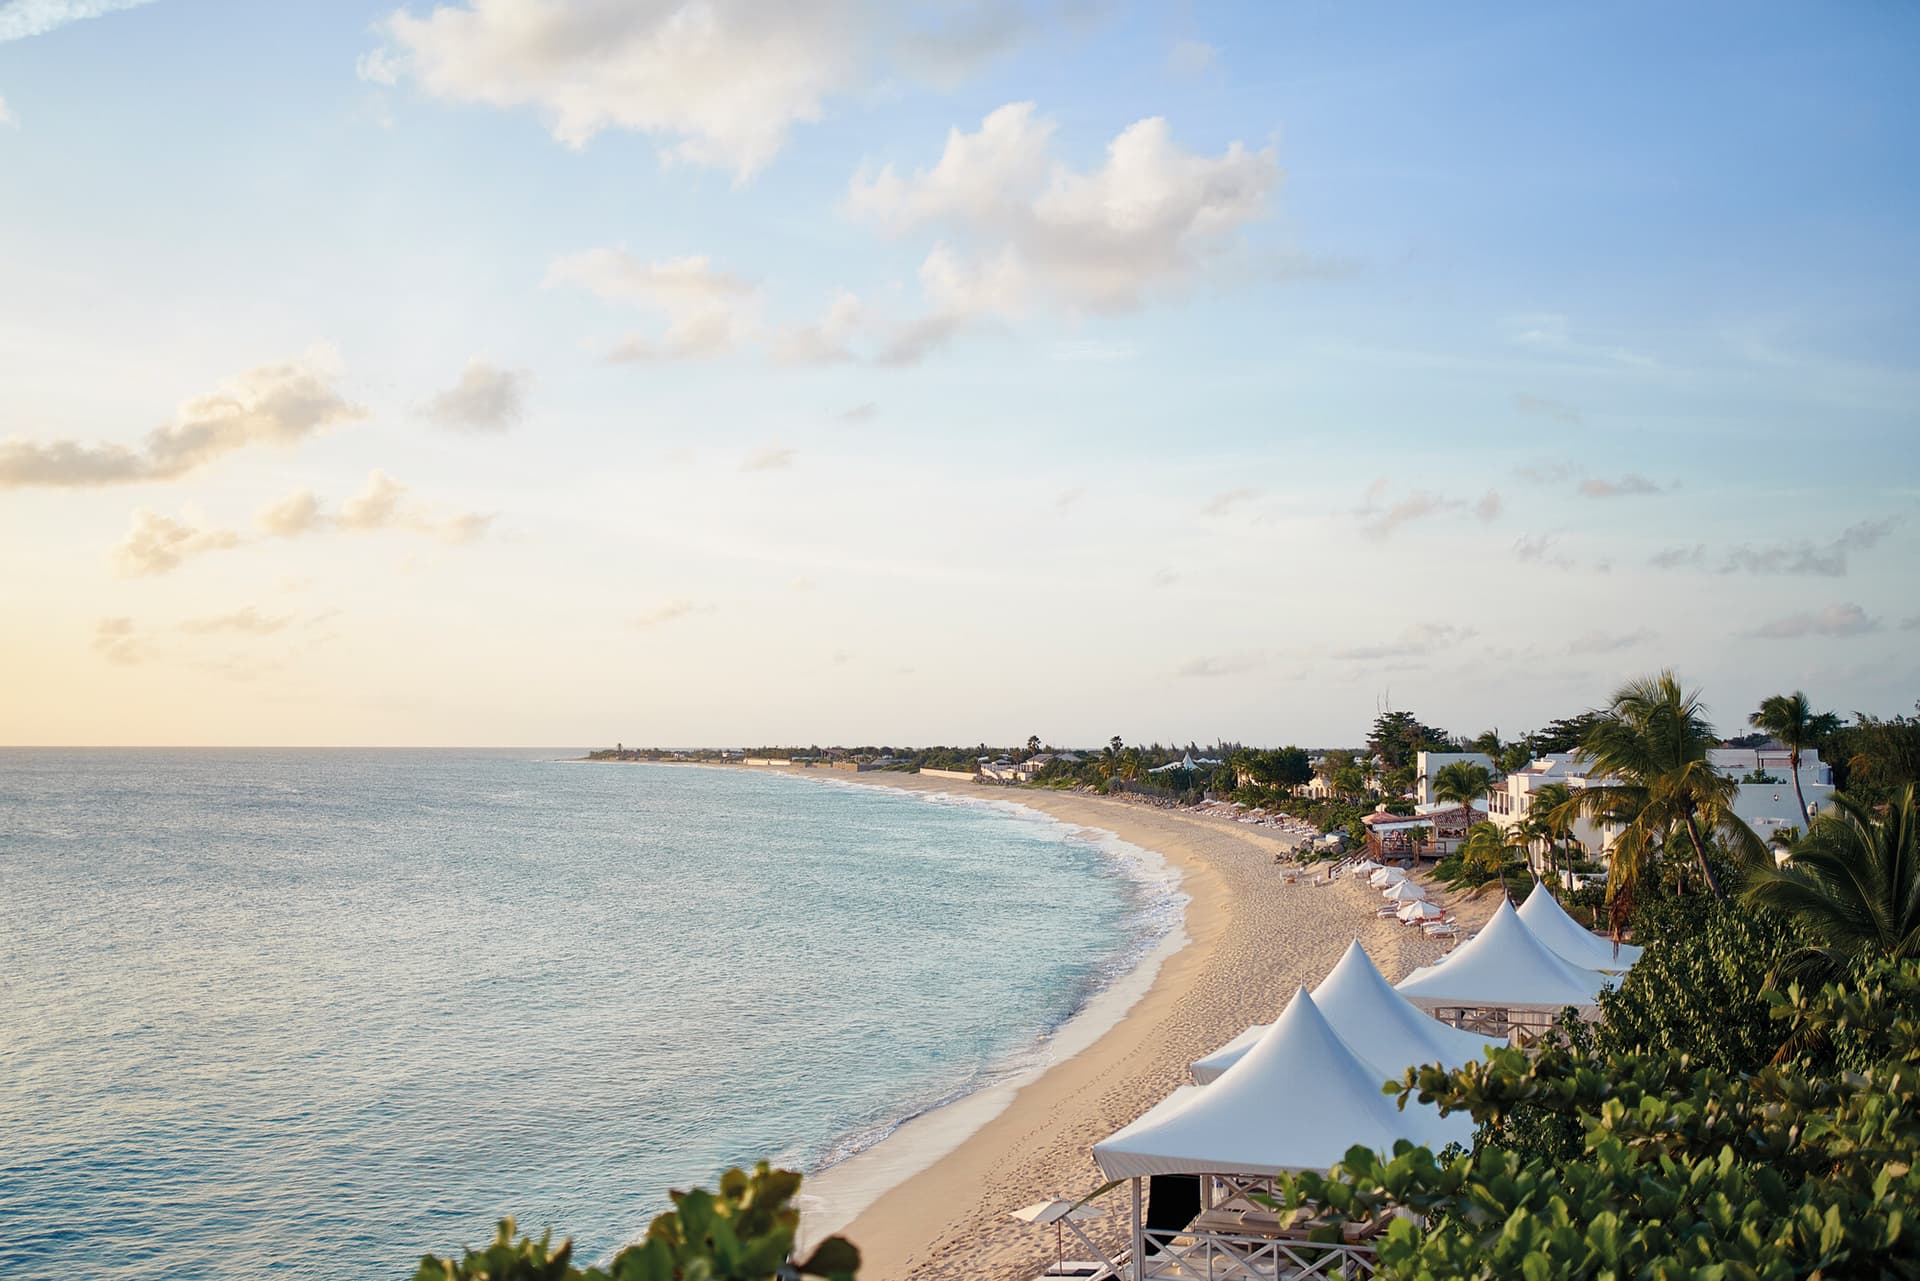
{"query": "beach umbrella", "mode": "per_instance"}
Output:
(1418, 910)
(1056, 1212)
(1366, 865)
(1386, 876)
(1403, 891)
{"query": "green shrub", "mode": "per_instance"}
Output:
(743, 1233)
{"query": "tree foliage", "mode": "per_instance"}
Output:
(1397, 737)
(1652, 743)
(1684, 1170)
(1696, 989)
(1853, 883)
(744, 1232)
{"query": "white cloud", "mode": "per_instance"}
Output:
(1377, 522)
(1804, 557)
(296, 514)
(1223, 503)
(719, 82)
(768, 458)
(1835, 621)
(22, 18)
(485, 398)
(715, 82)
(118, 641)
(1553, 335)
(864, 412)
(272, 405)
(1607, 642)
(1192, 57)
(1488, 508)
(246, 621)
(6, 114)
(1104, 240)
(157, 544)
(1630, 484)
(384, 504)
(708, 311)
(665, 612)
(824, 342)
(1418, 641)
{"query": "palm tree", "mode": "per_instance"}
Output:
(1853, 882)
(1796, 726)
(1546, 824)
(1491, 848)
(1462, 782)
(1650, 744)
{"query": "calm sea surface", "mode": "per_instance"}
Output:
(312, 1013)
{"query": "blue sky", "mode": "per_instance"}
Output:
(987, 370)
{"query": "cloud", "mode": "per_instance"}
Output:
(1531, 547)
(1549, 473)
(247, 621)
(384, 504)
(22, 18)
(1418, 641)
(272, 405)
(296, 514)
(1223, 503)
(1551, 410)
(117, 641)
(1552, 334)
(6, 114)
(864, 412)
(157, 544)
(1227, 665)
(1067, 499)
(1418, 505)
(486, 398)
(1631, 483)
(708, 311)
(1679, 555)
(768, 458)
(666, 612)
(1103, 240)
(824, 342)
(1806, 558)
(720, 83)
(1607, 642)
(1835, 621)
(1489, 505)
(1192, 57)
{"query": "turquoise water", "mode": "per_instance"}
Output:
(278, 1013)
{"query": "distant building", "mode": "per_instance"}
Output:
(1427, 767)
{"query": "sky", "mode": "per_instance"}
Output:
(572, 371)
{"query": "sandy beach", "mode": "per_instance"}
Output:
(1251, 938)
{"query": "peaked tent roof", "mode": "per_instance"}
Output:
(1504, 966)
(1296, 1101)
(1376, 1022)
(1577, 946)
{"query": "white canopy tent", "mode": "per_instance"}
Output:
(1504, 967)
(1380, 1025)
(1242, 1122)
(1552, 926)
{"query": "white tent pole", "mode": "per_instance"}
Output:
(1139, 1234)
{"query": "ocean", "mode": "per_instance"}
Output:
(316, 1013)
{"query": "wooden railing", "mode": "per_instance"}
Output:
(1221, 1256)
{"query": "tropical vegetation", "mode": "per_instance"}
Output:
(743, 1232)
(1853, 883)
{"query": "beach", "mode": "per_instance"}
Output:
(1250, 939)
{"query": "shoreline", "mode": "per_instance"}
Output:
(940, 1189)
